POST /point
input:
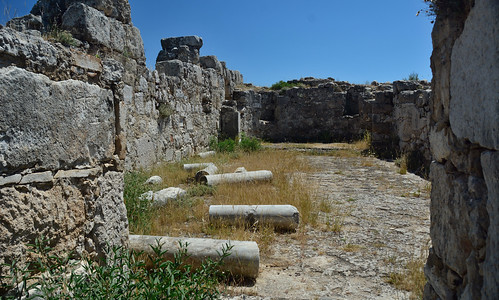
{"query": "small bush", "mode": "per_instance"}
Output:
(414, 76)
(249, 144)
(283, 85)
(61, 36)
(122, 276)
(165, 110)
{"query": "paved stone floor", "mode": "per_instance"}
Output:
(384, 222)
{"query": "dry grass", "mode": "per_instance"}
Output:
(401, 162)
(412, 278)
(189, 216)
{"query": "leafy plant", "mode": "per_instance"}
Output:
(138, 208)
(227, 145)
(122, 275)
(249, 144)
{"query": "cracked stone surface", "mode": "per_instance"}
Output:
(384, 219)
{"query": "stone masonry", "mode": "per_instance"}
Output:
(74, 117)
(464, 138)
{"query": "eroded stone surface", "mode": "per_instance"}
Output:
(52, 125)
(384, 224)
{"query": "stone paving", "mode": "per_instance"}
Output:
(384, 222)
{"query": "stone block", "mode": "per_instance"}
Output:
(490, 166)
(170, 68)
(191, 41)
(439, 144)
(37, 178)
(474, 109)
(210, 62)
(405, 85)
(77, 173)
(230, 122)
(87, 24)
(53, 125)
(52, 10)
(13, 179)
(87, 62)
(24, 23)
(450, 218)
(22, 49)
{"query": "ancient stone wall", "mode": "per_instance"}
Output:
(77, 112)
(464, 138)
(323, 110)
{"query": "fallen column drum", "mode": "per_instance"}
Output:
(244, 258)
(280, 216)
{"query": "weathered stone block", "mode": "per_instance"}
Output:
(490, 166)
(474, 109)
(52, 125)
(52, 10)
(28, 22)
(37, 178)
(170, 68)
(212, 62)
(87, 24)
(450, 218)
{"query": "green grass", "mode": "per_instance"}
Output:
(123, 275)
(283, 85)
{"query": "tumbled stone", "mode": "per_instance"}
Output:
(154, 180)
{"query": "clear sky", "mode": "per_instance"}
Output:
(272, 40)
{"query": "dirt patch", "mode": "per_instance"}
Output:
(373, 221)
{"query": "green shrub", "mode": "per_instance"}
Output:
(123, 275)
(227, 145)
(414, 76)
(165, 110)
(249, 144)
(283, 85)
(138, 208)
(61, 36)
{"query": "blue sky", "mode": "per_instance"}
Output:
(272, 40)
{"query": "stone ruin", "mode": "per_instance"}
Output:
(75, 117)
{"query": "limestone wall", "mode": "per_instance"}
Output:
(75, 116)
(464, 134)
(323, 110)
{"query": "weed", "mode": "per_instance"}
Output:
(401, 162)
(352, 248)
(138, 208)
(123, 275)
(201, 190)
(334, 224)
(165, 110)
(413, 77)
(412, 278)
(325, 206)
(60, 36)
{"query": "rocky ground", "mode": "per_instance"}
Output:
(373, 221)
